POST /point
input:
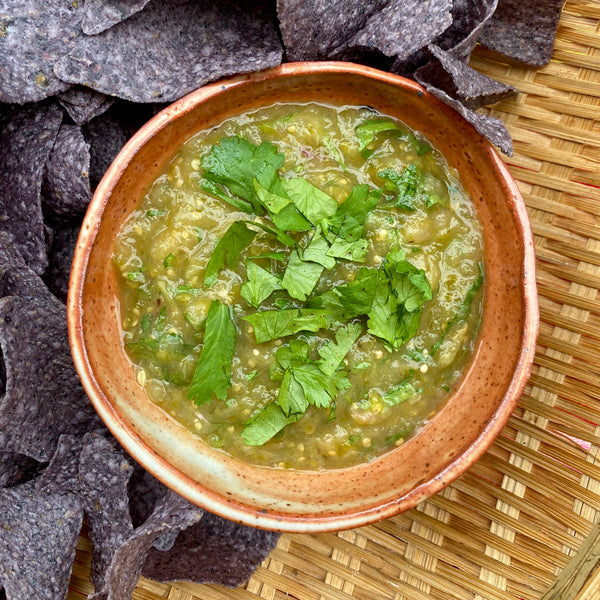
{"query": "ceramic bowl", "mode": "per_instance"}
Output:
(303, 501)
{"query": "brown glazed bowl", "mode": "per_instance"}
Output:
(303, 501)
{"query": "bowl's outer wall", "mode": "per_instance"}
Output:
(310, 501)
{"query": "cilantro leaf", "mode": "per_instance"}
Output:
(394, 316)
(235, 163)
(291, 399)
(260, 285)
(317, 250)
(300, 277)
(272, 201)
(348, 224)
(384, 316)
(212, 374)
(294, 353)
(409, 283)
(350, 299)
(319, 389)
(272, 324)
(333, 353)
(404, 186)
(216, 190)
(277, 255)
(359, 203)
(267, 423)
(312, 202)
(227, 251)
(367, 131)
(354, 251)
(304, 382)
(290, 218)
(281, 236)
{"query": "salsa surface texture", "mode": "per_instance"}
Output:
(302, 285)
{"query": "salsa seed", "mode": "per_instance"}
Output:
(382, 234)
(378, 354)
(230, 429)
(332, 453)
(291, 129)
(198, 425)
(251, 363)
(300, 447)
(141, 377)
(256, 352)
(399, 442)
(424, 368)
(195, 164)
(366, 442)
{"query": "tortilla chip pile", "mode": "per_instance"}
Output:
(77, 78)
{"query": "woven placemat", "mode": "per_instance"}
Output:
(520, 524)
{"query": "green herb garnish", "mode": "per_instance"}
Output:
(228, 249)
(212, 374)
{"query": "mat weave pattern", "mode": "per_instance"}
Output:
(521, 523)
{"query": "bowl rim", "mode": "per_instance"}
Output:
(182, 483)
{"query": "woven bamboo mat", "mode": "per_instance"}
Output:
(521, 523)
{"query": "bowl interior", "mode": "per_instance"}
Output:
(291, 500)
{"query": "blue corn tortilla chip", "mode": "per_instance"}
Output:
(106, 135)
(60, 259)
(66, 189)
(316, 29)
(26, 139)
(491, 128)
(33, 35)
(104, 473)
(100, 15)
(17, 468)
(120, 549)
(38, 536)
(192, 42)
(171, 514)
(43, 397)
(403, 27)
(213, 550)
(468, 20)
(16, 278)
(83, 104)
(524, 31)
(61, 476)
(459, 80)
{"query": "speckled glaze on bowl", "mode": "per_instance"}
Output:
(302, 501)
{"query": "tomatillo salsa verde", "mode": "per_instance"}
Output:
(302, 285)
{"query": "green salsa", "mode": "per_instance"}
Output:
(302, 286)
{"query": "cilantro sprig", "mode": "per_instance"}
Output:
(213, 371)
(304, 383)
